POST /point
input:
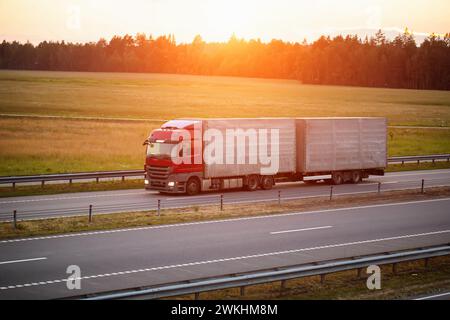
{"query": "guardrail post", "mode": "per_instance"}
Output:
(427, 262)
(433, 162)
(15, 219)
(97, 179)
(123, 178)
(197, 296)
(282, 286)
(90, 213)
(360, 272)
(159, 207)
(70, 181)
(423, 186)
(14, 185)
(322, 278)
(379, 187)
(221, 202)
(42, 183)
(242, 291)
(279, 197)
(331, 193)
(394, 268)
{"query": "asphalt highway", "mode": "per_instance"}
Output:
(38, 207)
(35, 268)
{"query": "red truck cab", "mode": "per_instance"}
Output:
(161, 173)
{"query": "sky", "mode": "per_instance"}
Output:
(216, 20)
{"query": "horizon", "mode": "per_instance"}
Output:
(82, 21)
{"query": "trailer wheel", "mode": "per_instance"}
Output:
(252, 183)
(337, 178)
(267, 182)
(356, 177)
(193, 187)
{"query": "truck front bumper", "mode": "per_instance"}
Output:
(166, 186)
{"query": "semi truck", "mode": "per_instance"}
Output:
(196, 155)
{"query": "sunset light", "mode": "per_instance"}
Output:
(215, 20)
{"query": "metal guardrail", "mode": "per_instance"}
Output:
(140, 173)
(269, 275)
(72, 176)
(418, 159)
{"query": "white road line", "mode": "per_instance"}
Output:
(146, 192)
(434, 296)
(190, 264)
(416, 174)
(24, 260)
(384, 183)
(72, 198)
(300, 230)
(103, 196)
(274, 216)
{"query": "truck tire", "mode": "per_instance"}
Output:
(337, 178)
(267, 182)
(252, 183)
(193, 187)
(356, 177)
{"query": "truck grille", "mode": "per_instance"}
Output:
(158, 184)
(155, 172)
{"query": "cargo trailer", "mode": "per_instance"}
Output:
(194, 155)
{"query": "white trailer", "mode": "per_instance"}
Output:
(255, 153)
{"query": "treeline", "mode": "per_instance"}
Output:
(373, 62)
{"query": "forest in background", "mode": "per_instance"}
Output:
(350, 61)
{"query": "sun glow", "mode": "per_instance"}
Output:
(214, 20)
(224, 18)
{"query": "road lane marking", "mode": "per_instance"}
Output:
(72, 198)
(327, 211)
(105, 196)
(146, 192)
(300, 230)
(23, 260)
(416, 174)
(190, 264)
(434, 296)
(383, 183)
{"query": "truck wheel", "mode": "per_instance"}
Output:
(252, 183)
(337, 178)
(356, 177)
(267, 182)
(193, 187)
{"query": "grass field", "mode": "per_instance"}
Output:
(54, 145)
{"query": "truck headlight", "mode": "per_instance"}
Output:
(171, 184)
(146, 181)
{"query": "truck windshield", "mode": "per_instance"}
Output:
(160, 150)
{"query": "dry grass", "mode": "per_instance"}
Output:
(37, 146)
(160, 96)
(33, 146)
